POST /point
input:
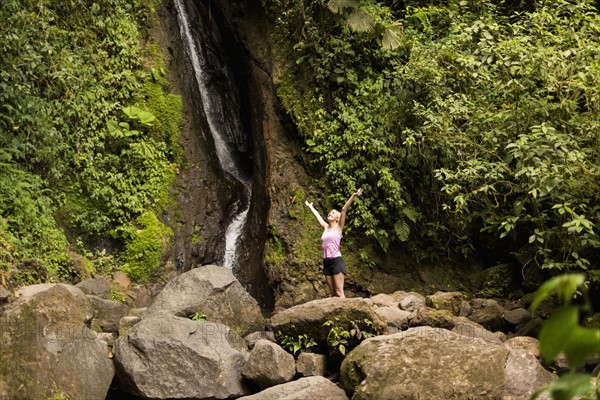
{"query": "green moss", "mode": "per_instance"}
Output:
(496, 281)
(196, 237)
(143, 252)
(274, 250)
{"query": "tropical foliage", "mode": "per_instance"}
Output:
(88, 130)
(476, 129)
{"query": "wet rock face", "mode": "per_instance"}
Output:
(208, 197)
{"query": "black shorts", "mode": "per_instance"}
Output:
(333, 266)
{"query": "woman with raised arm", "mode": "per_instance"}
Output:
(333, 264)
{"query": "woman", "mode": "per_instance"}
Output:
(333, 264)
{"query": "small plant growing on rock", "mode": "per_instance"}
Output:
(340, 339)
(198, 317)
(294, 345)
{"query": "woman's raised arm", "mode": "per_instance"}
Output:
(347, 206)
(316, 214)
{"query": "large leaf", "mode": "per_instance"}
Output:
(561, 333)
(402, 230)
(568, 386)
(392, 37)
(564, 286)
(337, 6)
(360, 21)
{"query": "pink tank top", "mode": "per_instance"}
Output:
(331, 244)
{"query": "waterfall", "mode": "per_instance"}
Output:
(225, 126)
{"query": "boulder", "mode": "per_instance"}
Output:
(523, 375)
(488, 313)
(269, 365)
(107, 314)
(392, 367)
(309, 388)
(412, 302)
(126, 323)
(316, 318)
(169, 357)
(254, 337)
(465, 309)
(531, 328)
(450, 301)
(384, 300)
(4, 294)
(311, 364)
(213, 291)
(517, 316)
(473, 331)
(48, 351)
(426, 316)
(527, 343)
(394, 317)
(95, 287)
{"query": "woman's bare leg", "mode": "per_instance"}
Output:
(329, 280)
(338, 285)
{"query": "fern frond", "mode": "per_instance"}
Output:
(337, 6)
(360, 21)
(392, 37)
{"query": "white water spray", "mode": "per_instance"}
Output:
(217, 120)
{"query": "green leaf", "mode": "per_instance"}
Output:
(131, 112)
(337, 6)
(570, 385)
(392, 37)
(402, 230)
(145, 117)
(556, 332)
(564, 285)
(360, 21)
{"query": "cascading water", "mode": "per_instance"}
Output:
(225, 126)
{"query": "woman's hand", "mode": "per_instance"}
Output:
(358, 192)
(308, 204)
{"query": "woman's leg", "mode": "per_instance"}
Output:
(338, 285)
(329, 280)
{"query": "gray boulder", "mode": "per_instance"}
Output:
(107, 314)
(427, 316)
(395, 318)
(309, 388)
(213, 291)
(254, 337)
(50, 351)
(169, 357)
(488, 313)
(316, 318)
(450, 301)
(523, 374)
(516, 317)
(4, 294)
(95, 287)
(527, 343)
(311, 364)
(412, 302)
(384, 300)
(391, 367)
(269, 365)
(473, 331)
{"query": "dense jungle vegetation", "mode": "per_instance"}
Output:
(473, 126)
(89, 139)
